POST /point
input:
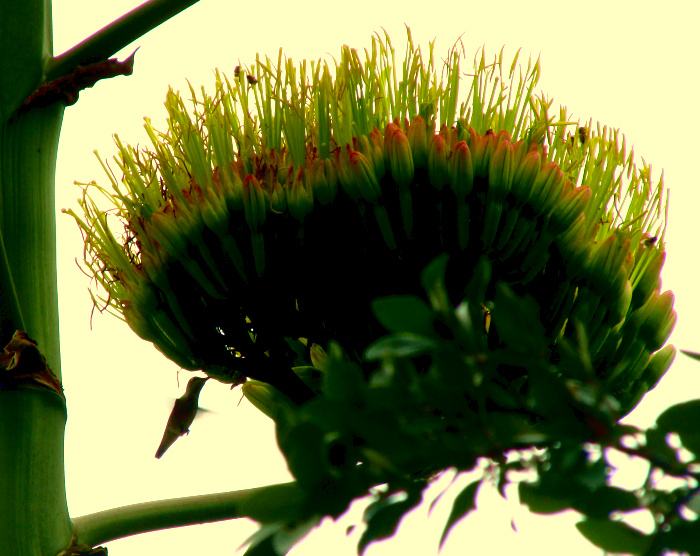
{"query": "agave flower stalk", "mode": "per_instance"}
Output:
(269, 216)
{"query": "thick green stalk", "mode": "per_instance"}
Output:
(269, 504)
(34, 517)
(28, 151)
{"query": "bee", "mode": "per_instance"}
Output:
(583, 135)
(650, 241)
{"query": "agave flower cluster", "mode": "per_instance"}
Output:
(267, 218)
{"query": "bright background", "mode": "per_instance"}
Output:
(631, 65)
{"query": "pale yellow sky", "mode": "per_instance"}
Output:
(631, 65)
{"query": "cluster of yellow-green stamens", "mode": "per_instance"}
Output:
(275, 156)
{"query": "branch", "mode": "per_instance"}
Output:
(68, 87)
(268, 504)
(115, 36)
(680, 470)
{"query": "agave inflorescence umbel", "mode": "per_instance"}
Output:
(269, 217)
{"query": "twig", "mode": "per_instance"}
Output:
(110, 39)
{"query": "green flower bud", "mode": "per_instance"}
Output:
(461, 171)
(397, 147)
(438, 168)
(658, 365)
(364, 177)
(263, 397)
(300, 197)
(418, 141)
(253, 203)
(319, 358)
(278, 199)
(570, 206)
(661, 320)
(650, 280)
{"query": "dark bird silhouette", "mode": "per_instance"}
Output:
(182, 415)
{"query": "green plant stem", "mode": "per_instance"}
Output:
(268, 504)
(34, 517)
(10, 313)
(28, 147)
(115, 36)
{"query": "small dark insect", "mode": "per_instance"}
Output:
(651, 241)
(251, 80)
(237, 71)
(583, 134)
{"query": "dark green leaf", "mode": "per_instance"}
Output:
(401, 344)
(304, 449)
(684, 419)
(548, 395)
(544, 502)
(383, 517)
(605, 500)
(433, 280)
(517, 321)
(463, 504)
(593, 476)
(439, 496)
(614, 536)
(683, 537)
(343, 380)
(657, 445)
(299, 350)
(260, 543)
(479, 282)
(277, 539)
(404, 313)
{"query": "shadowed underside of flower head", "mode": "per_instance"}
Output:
(273, 213)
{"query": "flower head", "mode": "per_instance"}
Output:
(292, 196)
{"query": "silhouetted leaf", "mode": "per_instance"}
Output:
(433, 280)
(383, 517)
(343, 380)
(402, 344)
(463, 504)
(662, 452)
(260, 543)
(517, 320)
(683, 537)
(303, 447)
(603, 501)
(277, 539)
(614, 536)
(544, 502)
(683, 419)
(403, 313)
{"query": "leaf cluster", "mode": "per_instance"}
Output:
(452, 386)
